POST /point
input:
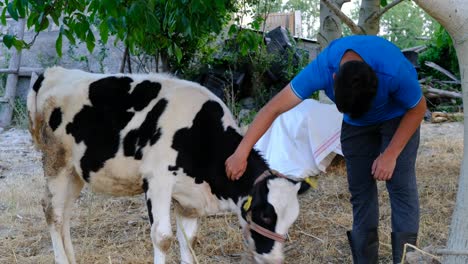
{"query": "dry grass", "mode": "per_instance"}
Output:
(116, 230)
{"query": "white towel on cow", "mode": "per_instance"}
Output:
(303, 141)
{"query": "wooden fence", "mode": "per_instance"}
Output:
(290, 21)
(14, 72)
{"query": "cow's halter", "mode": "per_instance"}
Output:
(251, 225)
(312, 181)
(265, 232)
(269, 173)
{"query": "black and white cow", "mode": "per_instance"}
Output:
(158, 135)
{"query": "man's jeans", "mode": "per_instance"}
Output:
(361, 145)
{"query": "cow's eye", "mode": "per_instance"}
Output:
(265, 218)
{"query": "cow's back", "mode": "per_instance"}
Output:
(112, 129)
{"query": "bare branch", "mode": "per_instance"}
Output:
(442, 70)
(345, 19)
(124, 60)
(441, 93)
(382, 11)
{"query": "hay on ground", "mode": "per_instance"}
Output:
(116, 230)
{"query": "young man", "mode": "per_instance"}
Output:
(377, 90)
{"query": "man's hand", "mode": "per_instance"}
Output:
(286, 99)
(383, 167)
(235, 166)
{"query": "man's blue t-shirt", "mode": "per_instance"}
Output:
(398, 86)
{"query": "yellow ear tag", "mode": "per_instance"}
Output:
(312, 181)
(248, 203)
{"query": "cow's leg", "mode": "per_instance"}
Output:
(61, 192)
(158, 200)
(187, 225)
(75, 187)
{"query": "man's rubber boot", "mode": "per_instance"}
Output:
(399, 239)
(364, 246)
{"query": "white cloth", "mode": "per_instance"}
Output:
(303, 141)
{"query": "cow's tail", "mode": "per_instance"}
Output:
(34, 117)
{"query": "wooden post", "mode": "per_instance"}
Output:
(7, 104)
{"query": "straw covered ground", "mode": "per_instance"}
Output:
(116, 230)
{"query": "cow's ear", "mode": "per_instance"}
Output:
(307, 183)
(304, 187)
(246, 206)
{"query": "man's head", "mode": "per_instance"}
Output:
(355, 88)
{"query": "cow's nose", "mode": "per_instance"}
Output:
(268, 260)
(277, 261)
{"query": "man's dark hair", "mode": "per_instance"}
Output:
(355, 87)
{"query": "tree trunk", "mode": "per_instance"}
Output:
(124, 59)
(458, 238)
(330, 29)
(369, 15)
(165, 62)
(366, 21)
(330, 24)
(453, 16)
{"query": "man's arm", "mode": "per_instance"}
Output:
(383, 166)
(286, 99)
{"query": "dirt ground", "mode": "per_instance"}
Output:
(116, 230)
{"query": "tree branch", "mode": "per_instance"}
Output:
(382, 11)
(345, 19)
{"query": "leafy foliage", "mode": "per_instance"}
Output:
(242, 49)
(441, 51)
(407, 25)
(174, 29)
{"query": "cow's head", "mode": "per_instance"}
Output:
(268, 212)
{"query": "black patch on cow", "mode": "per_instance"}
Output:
(264, 215)
(203, 148)
(147, 133)
(143, 93)
(145, 188)
(38, 83)
(55, 118)
(98, 125)
(150, 210)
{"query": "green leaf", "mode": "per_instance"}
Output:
(383, 3)
(90, 41)
(178, 53)
(255, 25)
(12, 11)
(44, 24)
(21, 8)
(8, 40)
(232, 29)
(110, 7)
(3, 17)
(18, 44)
(31, 19)
(55, 19)
(69, 36)
(104, 32)
(58, 44)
